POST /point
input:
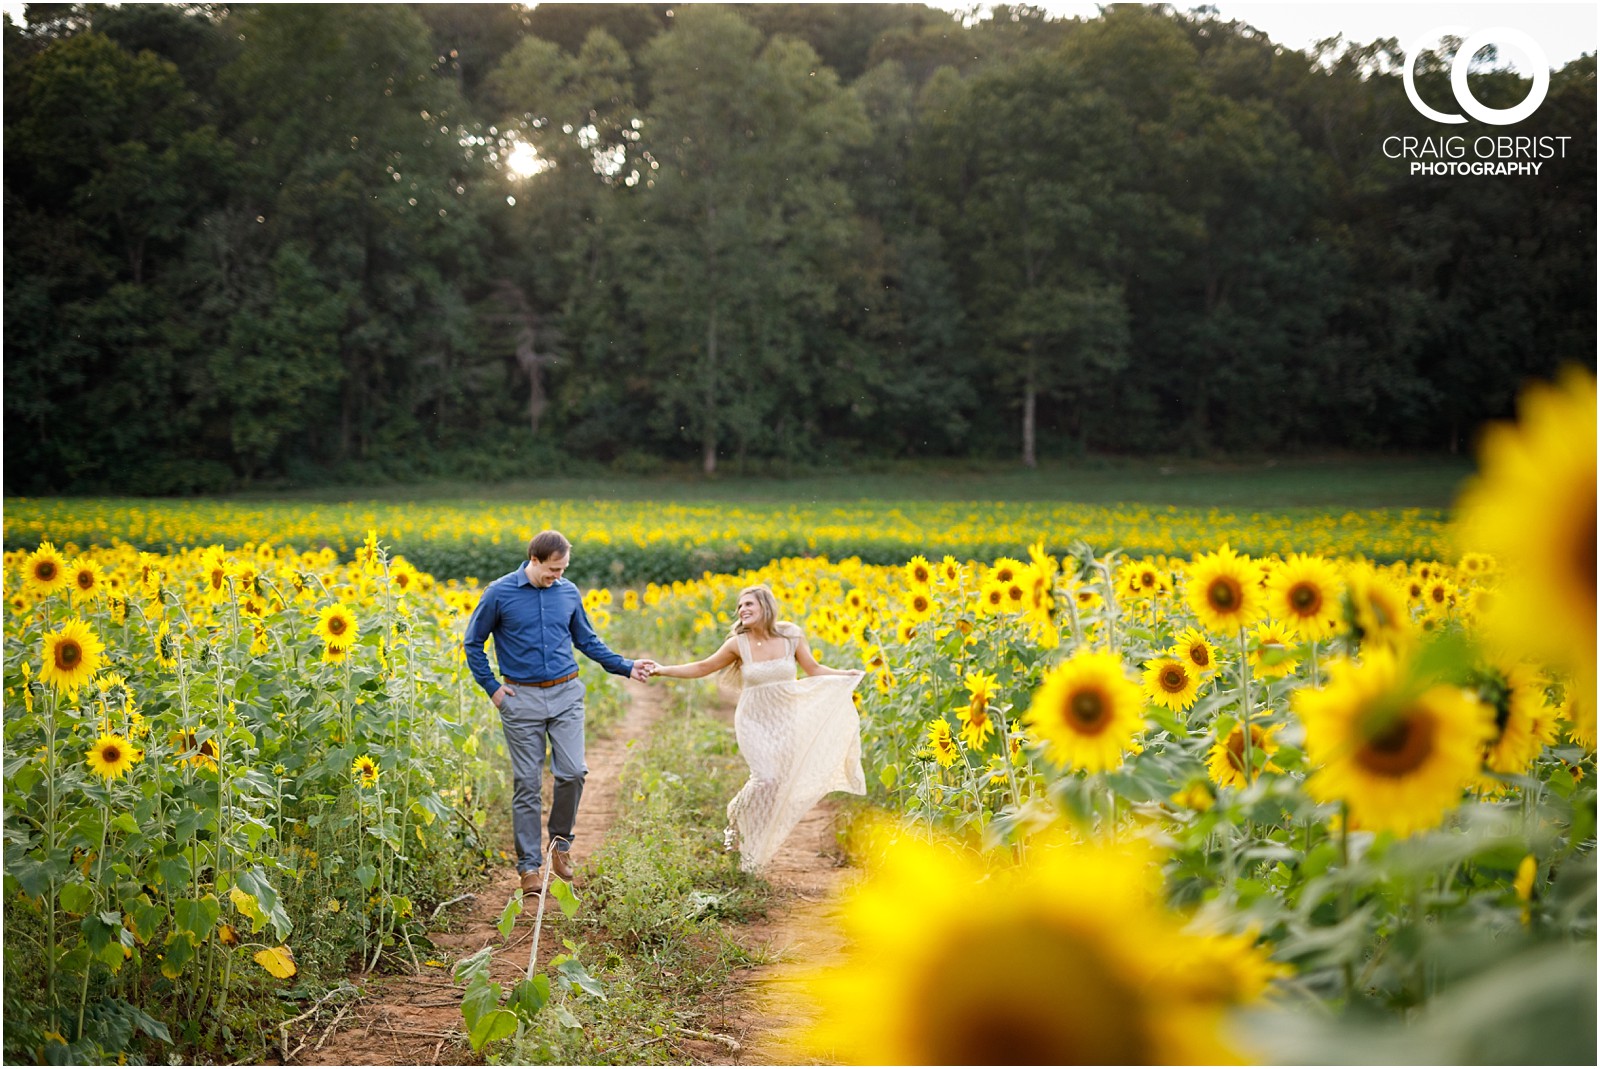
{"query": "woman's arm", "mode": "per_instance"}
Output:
(724, 656)
(808, 664)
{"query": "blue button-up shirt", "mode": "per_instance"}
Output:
(534, 629)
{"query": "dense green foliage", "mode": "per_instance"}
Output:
(249, 244)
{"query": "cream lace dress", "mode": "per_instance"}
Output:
(801, 739)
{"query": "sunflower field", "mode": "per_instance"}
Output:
(222, 767)
(627, 543)
(1294, 808)
(1265, 797)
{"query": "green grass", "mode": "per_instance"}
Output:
(1263, 482)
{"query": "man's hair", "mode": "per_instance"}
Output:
(547, 544)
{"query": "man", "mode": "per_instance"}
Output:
(536, 618)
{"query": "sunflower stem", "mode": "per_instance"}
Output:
(99, 881)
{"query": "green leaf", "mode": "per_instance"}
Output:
(572, 971)
(367, 875)
(887, 775)
(468, 970)
(564, 1016)
(492, 1026)
(125, 822)
(565, 897)
(174, 871)
(508, 916)
(253, 881)
(77, 898)
(177, 952)
(529, 996)
(481, 997)
(196, 916)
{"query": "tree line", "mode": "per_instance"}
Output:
(253, 244)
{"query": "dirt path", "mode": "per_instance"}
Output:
(416, 1020)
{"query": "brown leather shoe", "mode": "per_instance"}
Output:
(561, 864)
(530, 882)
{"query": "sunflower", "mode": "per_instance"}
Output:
(192, 750)
(1533, 507)
(1018, 592)
(1375, 607)
(976, 722)
(991, 599)
(335, 654)
(214, 574)
(1171, 683)
(1272, 654)
(111, 756)
(45, 570)
(1004, 570)
(1438, 596)
(941, 743)
(367, 556)
(1304, 593)
(1397, 749)
(85, 579)
(1225, 762)
(1197, 796)
(404, 578)
(365, 770)
(1224, 590)
(167, 648)
(919, 604)
(856, 600)
(929, 979)
(1087, 710)
(918, 572)
(949, 571)
(905, 629)
(71, 656)
(337, 626)
(1525, 723)
(1193, 648)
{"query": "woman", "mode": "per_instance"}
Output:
(800, 737)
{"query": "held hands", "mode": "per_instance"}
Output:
(643, 669)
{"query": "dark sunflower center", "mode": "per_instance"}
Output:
(1021, 1019)
(1089, 710)
(1305, 598)
(920, 604)
(1584, 554)
(68, 655)
(1400, 748)
(1438, 595)
(1004, 575)
(1200, 656)
(1236, 746)
(1224, 594)
(85, 580)
(1173, 678)
(336, 625)
(45, 571)
(110, 753)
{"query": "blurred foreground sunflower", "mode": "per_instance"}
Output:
(1532, 507)
(1069, 959)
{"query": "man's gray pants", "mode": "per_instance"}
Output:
(529, 717)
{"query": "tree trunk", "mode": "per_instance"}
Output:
(708, 440)
(1030, 404)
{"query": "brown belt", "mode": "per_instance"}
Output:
(546, 683)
